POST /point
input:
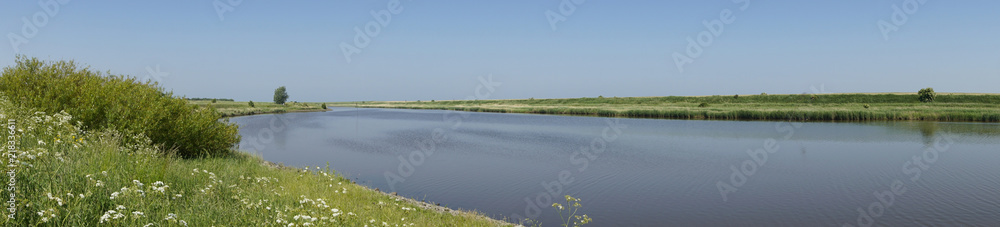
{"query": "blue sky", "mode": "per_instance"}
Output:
(439, 49)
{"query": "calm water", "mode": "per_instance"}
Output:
(647, 172)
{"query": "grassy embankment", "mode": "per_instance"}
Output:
(76, 165)
(822, 107)
(233, 108)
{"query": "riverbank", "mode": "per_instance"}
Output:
(69, 177)
(235, 109)
(85, 149)
(820, 107)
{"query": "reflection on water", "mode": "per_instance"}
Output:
(656, 173)
(927, 130)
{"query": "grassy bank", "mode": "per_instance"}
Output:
(232, 108)
(136, 155)
(67, 177)
(822, 107)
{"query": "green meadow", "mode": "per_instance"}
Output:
(819, 107)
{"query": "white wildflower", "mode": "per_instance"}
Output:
(105, 217)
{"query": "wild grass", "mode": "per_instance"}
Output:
(142, 157)
(825, 107)
(69, 177)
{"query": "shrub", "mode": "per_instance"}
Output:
(120, 103)
(736, 96)
(323, 106)
(765, 93)
(214, 100)
(280, 95)
(927, 95)
(703, 105)
(251, 103)
(867, 106)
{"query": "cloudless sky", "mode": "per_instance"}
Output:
(440, 49)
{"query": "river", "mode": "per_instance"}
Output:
(651, 172)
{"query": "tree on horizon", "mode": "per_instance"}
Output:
(280, 95)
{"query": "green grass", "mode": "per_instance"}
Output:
(825, 107)
(115, 151)
(69, 177)
(232, 108)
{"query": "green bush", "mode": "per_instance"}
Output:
(120, 103)
(703, 105)
(927, 95)
(251, 103)
(324, 106)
